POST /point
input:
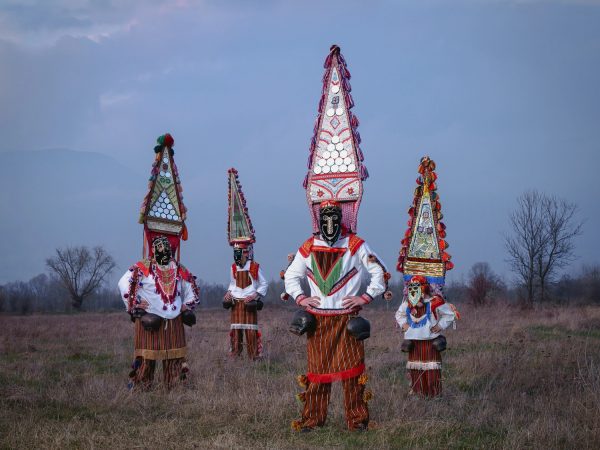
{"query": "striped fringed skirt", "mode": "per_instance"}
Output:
(242, 318)
(425, 368)
(168, 342)
(333, 354)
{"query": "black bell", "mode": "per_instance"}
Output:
(359, 328)
(150, 322)
(407, 346)
(303, 322)
(439, 343)
(188, 317)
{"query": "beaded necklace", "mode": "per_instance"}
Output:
(165, 281)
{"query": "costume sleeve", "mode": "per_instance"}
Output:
(377, 285)
(294, 275)
(445, 315)
(124, 285)
(231, 280)
(190, 293)
(401, 314)
(263, 284)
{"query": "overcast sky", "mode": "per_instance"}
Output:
(504, 96)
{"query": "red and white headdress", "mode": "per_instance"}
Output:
(335, 163)
(163, 211)
(240, 232)
(423, 249)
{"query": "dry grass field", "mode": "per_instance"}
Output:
(512, 379)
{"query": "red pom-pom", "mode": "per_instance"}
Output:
(449, 265)
(169, 141)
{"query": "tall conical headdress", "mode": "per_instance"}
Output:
(423, 249)
(335, 163)
(239, 225)
(163, 211)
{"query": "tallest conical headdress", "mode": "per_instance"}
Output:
(335, 164)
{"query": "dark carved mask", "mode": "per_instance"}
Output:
(415, 293)
(162, 250)
(330, 223)
(240, 256)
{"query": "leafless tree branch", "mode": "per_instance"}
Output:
(542, 240)
(81, 271)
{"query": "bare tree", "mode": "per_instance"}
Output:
(80, 270)
(560, 227)
(542, 240)
(482, 283)
(525, 243)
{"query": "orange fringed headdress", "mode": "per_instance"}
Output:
(423, 249)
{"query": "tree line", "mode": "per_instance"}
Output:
(539, 244)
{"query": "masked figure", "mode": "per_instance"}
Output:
(247, 284)
(424, 313)
(422, 318)
(159, 293)
(333, 261)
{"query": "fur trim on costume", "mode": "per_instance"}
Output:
(431, 365)
(243, 326)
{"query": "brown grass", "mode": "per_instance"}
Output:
(512, 379)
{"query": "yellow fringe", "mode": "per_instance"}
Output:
(302, 381)
(432, 269)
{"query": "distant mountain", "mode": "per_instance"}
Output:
(58, 197)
